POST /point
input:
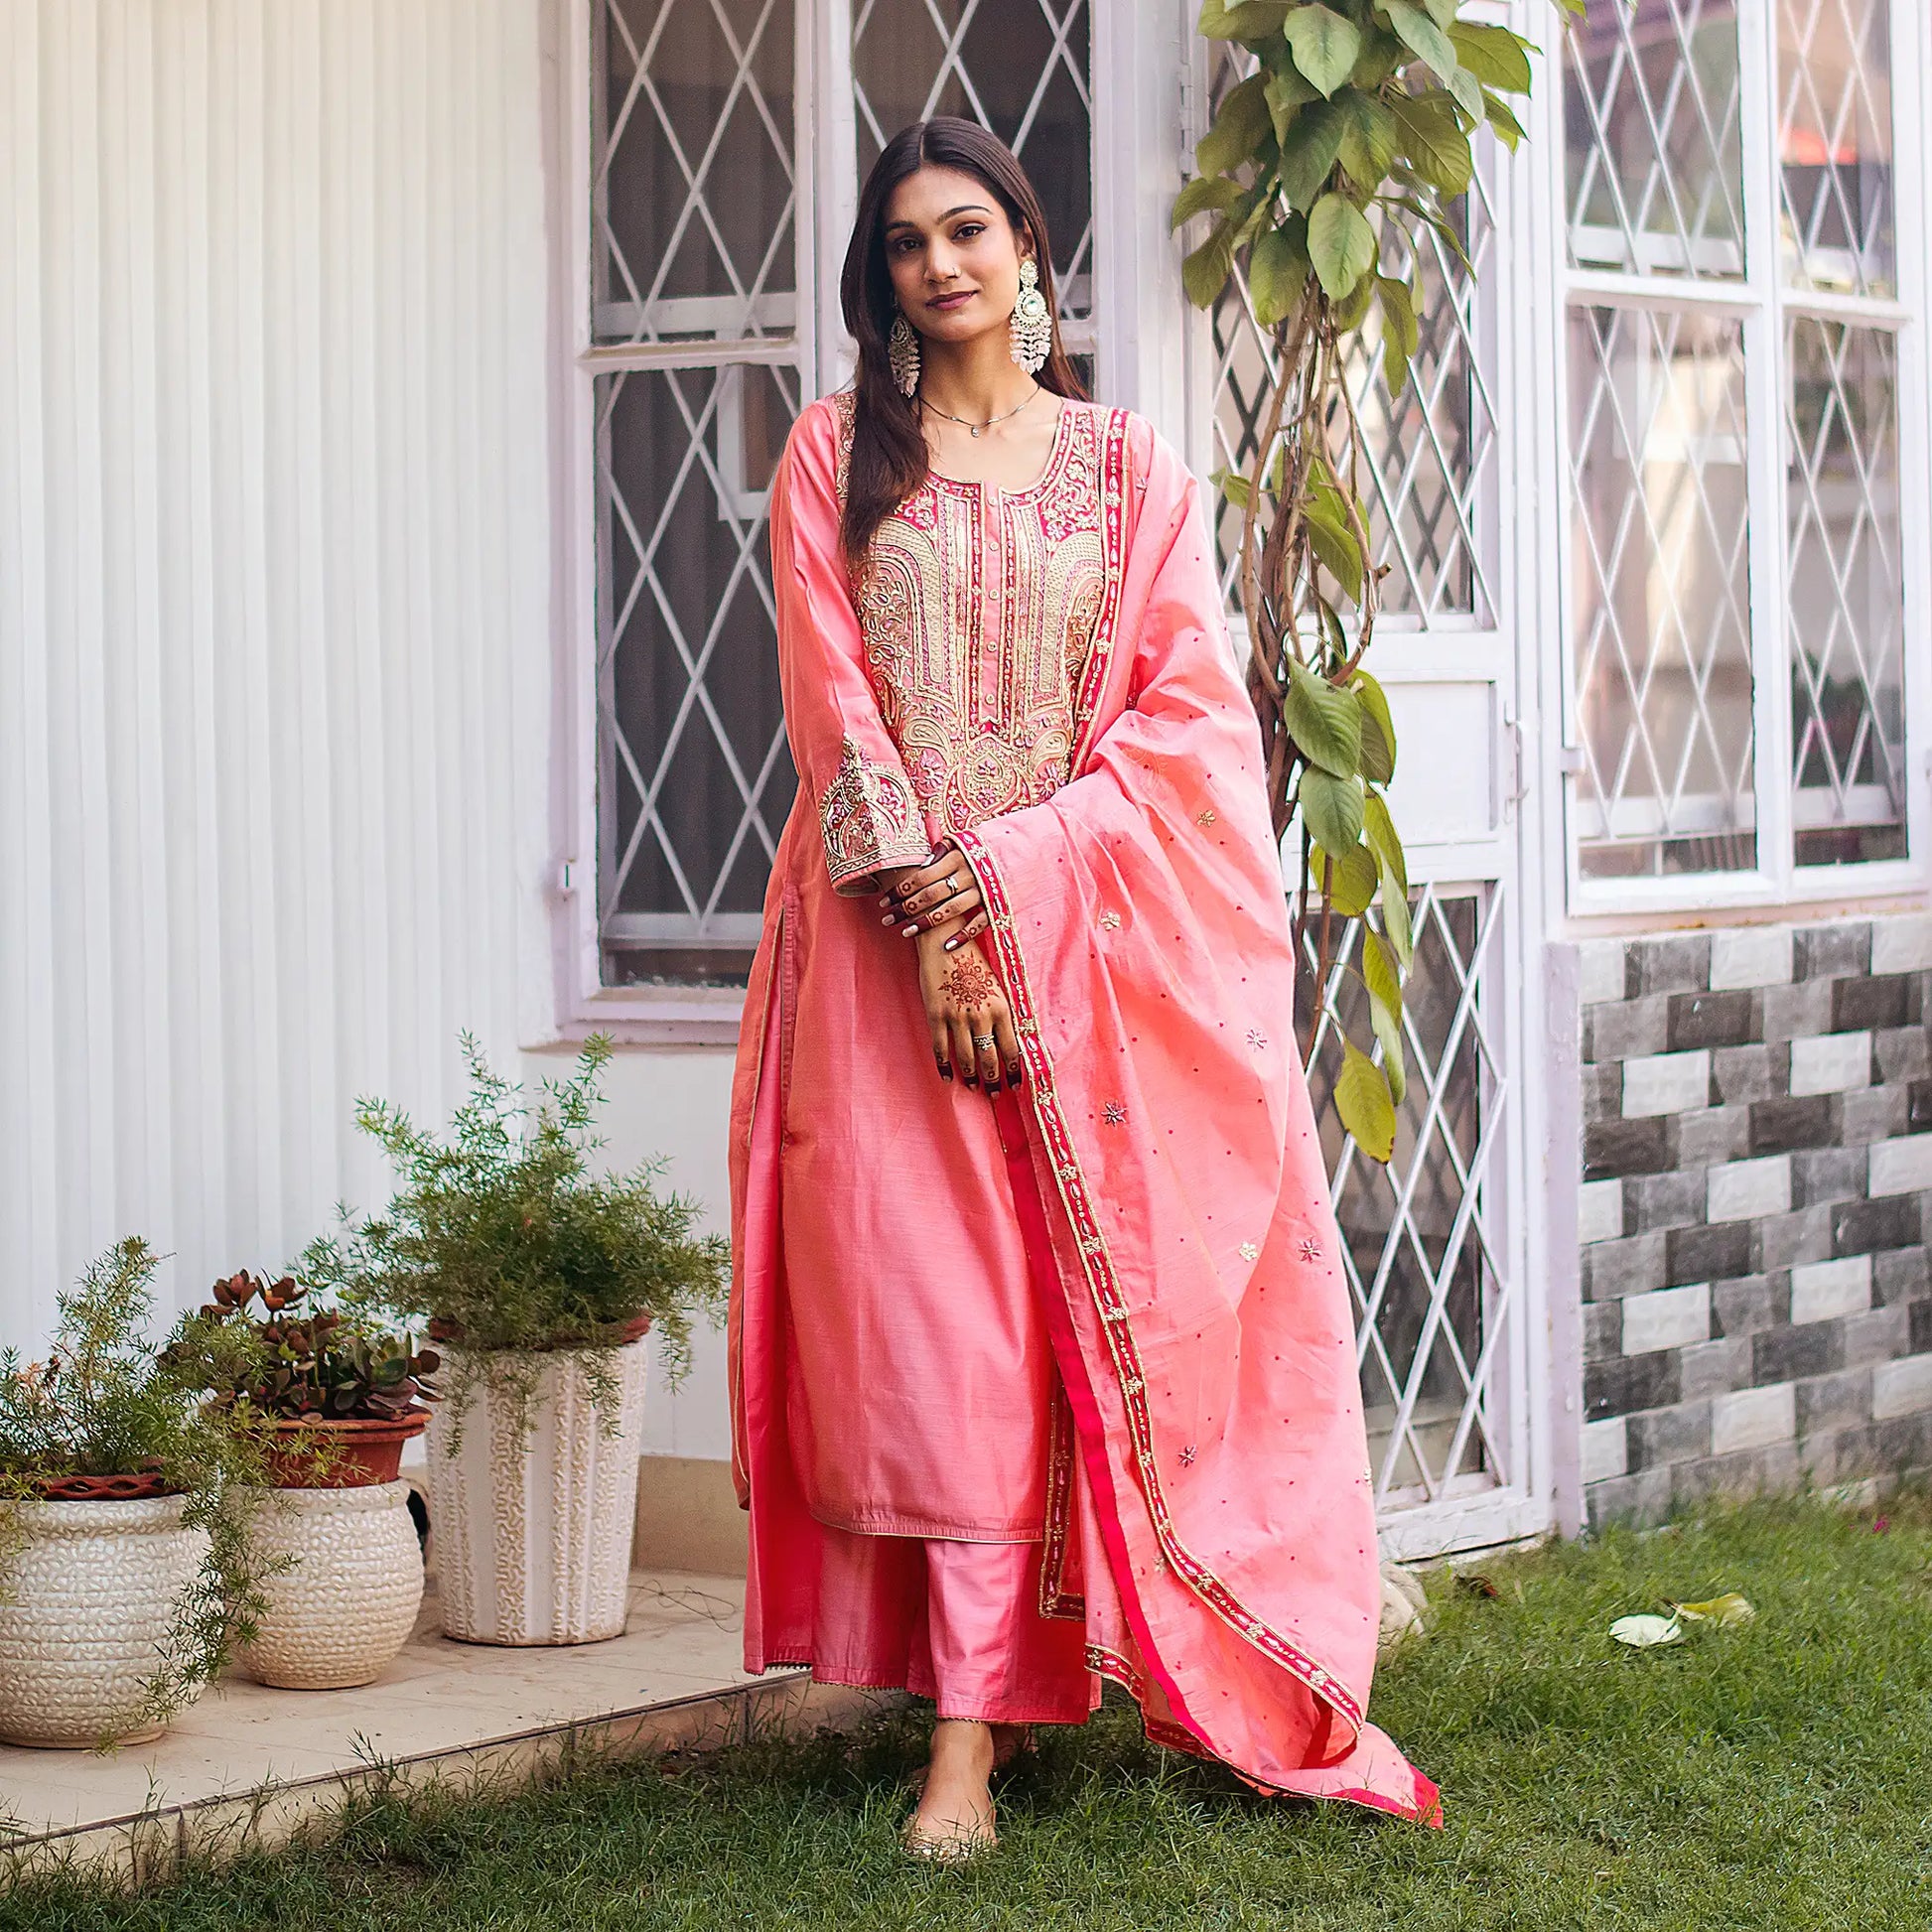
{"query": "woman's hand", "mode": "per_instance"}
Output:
(940, 898)
(972, 1024)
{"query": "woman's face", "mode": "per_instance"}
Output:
(953, 255)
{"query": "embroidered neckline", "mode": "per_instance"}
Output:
(1055, 459)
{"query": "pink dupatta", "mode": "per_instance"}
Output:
(1211, 1515)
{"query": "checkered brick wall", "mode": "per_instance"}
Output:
(1757, 1202)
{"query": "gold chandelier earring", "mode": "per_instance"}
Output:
(1031, 328)
(903, 352)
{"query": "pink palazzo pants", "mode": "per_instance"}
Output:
(951, 1619)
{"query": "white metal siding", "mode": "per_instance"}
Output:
(275, 651)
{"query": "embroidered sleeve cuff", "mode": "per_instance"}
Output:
(871, 822)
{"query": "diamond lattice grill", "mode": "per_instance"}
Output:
(696, 780)
(1652, 137)
(1661, 634)
(1018, 67)
(694, 192)
(1422, 1243)
(1834, 147)
(1845, 592)
(1432, 446)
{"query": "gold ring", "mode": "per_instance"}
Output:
(985, 1042)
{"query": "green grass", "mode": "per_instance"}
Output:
(1774, 1775)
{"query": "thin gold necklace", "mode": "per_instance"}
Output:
(972, 427)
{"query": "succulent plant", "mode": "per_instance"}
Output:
(294, 1362)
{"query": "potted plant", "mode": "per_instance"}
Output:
(127, 1573)
(538, 1277)
(332, 1398)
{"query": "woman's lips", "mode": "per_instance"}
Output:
(950, 301)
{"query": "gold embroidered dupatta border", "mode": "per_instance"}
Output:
(1096, 1259)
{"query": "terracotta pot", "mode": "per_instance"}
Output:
(101, 1489)
(89, 1604)
(531, 1529)
(340, 1611)
(364, 1451)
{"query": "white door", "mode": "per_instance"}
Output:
(1435, 1242)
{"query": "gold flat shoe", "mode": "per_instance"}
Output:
(950, 1847)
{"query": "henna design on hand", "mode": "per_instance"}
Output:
(969, 983)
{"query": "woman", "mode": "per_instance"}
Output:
(1041, 1361)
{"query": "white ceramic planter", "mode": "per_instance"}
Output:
(340, 1611)
(532, 1533)
(86, 1611)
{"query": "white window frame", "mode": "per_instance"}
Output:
(1129, 335)
(1762, 303)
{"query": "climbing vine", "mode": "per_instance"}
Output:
(1352, 135)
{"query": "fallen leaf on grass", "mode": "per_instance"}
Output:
(1644, 1632)
(1477, 1586)
(1881, 1526)
(1727, 1608)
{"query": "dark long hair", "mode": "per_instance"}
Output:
(889, 451)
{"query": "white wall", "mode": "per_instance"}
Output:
(275, 620)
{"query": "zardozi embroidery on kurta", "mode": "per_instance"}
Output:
(979, 607)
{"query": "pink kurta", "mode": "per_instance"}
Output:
(1105, 1313)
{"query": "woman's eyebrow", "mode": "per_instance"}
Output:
(965, 208)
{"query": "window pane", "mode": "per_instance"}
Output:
(694, 779)
(693, 170)
(1017, 67)
(1429, 481)
(1835, 144)
(1661, 634)
(1652, 138)
(1422, 1242)
(1846, 593)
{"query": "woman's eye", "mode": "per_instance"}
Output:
(971, 229)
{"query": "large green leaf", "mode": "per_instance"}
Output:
(1325, 513)
(1324, 720)
(1433, 140)
(1422, 37)
(1381, 55)
(1287, 92)
(1237, 130)
(1502, 123)
(1325, 46)
(1380, 974)
(1496, 56)
(1341, 244)
(1388, 1029)
(1205, 273)
(1309, 152)
(1401, 335)
(1395, 917)
(1351, 879)
(1205, 193)
(1253, 20)
(1335, 548)
(1278, 271)
(1378, 733)
(1381, 830)
(1234, 487)
(1369, 138)
(1331, 808)
(1467, 90)
(1362, 1100)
